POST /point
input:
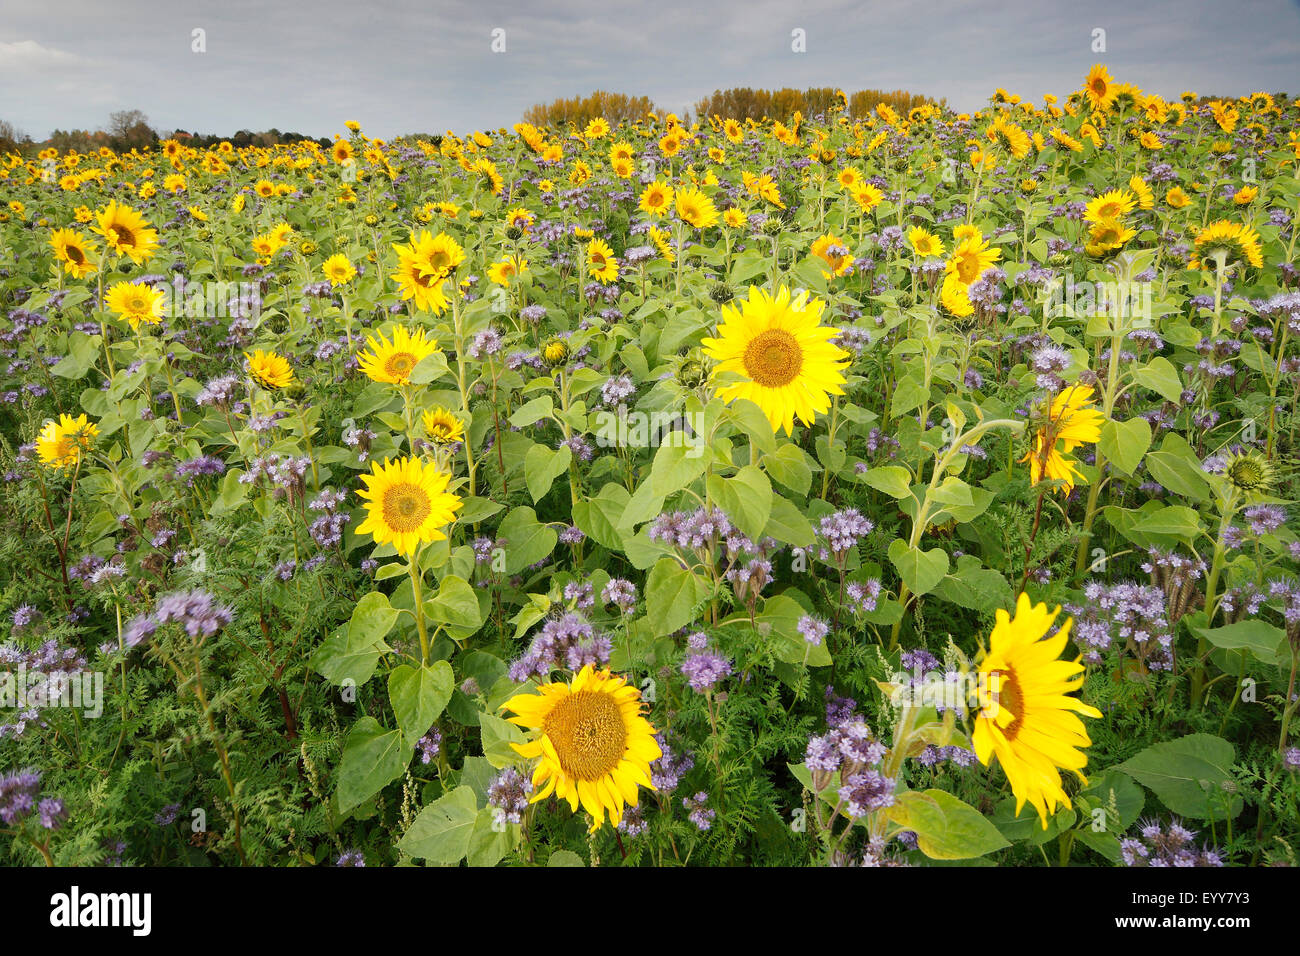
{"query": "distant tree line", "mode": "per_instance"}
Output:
(745, 103)
(129, 129)
(580, 110)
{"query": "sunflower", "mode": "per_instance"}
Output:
(834, 253)
(1177, 198)
(1071, 421)
(1107, 235)
(60, 444)
(784, 354)
(925, 243)
(733, 131)
(601, 263)
(338, 269)
(595, 747)
(126, 233)
(733, 218)
(1249, 473)
(1145, 198)
(508, 268)
(970, 258)
(393, 361)
(269, 369)
(424, 265)
(1100, 89)
(408, 504)
(442, 426)
(655, 199)
(1027, 717)
(1233, 240)
(695, 208)
(954, 297)
(554, 352)
(135, 302)
(660, 238)
(1109, 205)
(74, 251)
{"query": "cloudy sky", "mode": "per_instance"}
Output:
(428, 65)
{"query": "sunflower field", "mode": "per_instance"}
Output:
(910, 488)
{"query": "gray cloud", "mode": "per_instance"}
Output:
(403, 65)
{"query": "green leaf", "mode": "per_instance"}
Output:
(893, 480)
(745, 498)
(441, 833)
(676, 465)
(526, 540)
(498, 735)
(599, 517)
(671, 594)
(372, 618)
(372, 758)
(542, 465)
(1124, 443)
(1188, 775)
(564, 858)
(787, 524)
(455, 607)
(532, 412)
(419, 696)
(921, 570)
(1177, 467)
(789, 466)
(1161, 377)
(489, 844)
(1266, 641)
(945, 827)
(340, 658)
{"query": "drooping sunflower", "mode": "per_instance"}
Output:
(392, 362)
(75, 252)
(126, 233)
(407, 504)
(442, 426)
(507, 269)
(970, 258)
(1027, 717)
(1234, 240)
(601, 263)
(595, 747)
(338, 269)
(789, 365)
(953, 296)
(695, 208)
(61, 443)
(1072, 420)
(1106, 236)
(135, 302)
(1145, 198)
(269, 369)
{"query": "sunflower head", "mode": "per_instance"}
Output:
(1249, 473)
(61, 443)
(442, 426)
(269, 369)
(1027, 720)
(392, 362)
(594, 748)
(788, 365)
(555, 352)
(407, 504)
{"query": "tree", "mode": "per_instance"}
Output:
(579, 110)
(129, 129)
(11, 137)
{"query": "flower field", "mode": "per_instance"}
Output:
(863, 488)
